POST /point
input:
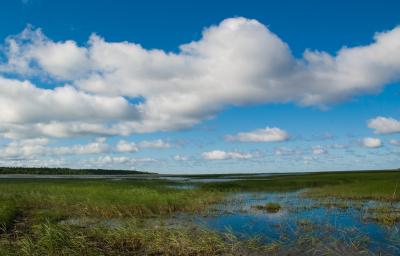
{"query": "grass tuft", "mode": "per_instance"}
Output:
(8, 213)
(269, 207)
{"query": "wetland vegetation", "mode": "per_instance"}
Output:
(352, 213)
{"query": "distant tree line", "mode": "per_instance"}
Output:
(64, 171)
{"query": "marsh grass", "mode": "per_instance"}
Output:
(365, 186)
(118, 217)
(386, 215)
(8, 213)
(270, 207)
(381, 185)
(131, 239)
(60, 199)
(47, 205)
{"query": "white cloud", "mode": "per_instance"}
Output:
(28, 111)
(223, 155)
(154, 144)
(24, 149)
(22, 102)
(372, 142)
(40, 147)
(53, 162)
(126, 147)
(31, 148)
(237, 62)
(260, 135)
(32, 53)
(104, 161)
(96, 147)
(384, 125)
(180, 158)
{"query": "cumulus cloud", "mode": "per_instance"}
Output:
(28, 111)
(33, 148)
(24, 149)
(372, 143)
(237, 62)
(39, 147)
(32, 53)
(223, 155)
(105, 160)
(22, 102)
(157, 144)
(384, 125)
(180, 158)
(260, 135)
(53, 162)
(126, 147)
(112, 162)
(130, 147)
(98, 146)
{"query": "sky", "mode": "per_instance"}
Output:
(200, 86)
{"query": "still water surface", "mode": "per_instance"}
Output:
(301, 216)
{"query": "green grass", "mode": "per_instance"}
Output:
(380, 185)
(106, 199)
(8, 213)
(376, 186)
(45, 206)
(269, 207)
(386, 215)
(35, 215)
(130, 239)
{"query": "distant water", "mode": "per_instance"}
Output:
(182, 186)
(176, 178)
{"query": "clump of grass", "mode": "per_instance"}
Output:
(385, 215)
(325, 245)
(8, 212)
(52, 239)
(387, 219)
(305, 225)
(271, 207)
(132, 239)
(174, 241)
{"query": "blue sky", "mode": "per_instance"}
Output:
(258, 86)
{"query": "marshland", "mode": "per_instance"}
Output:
(330, 213)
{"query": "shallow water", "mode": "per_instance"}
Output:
(174, 178)
(301, 216)
(182, 186)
